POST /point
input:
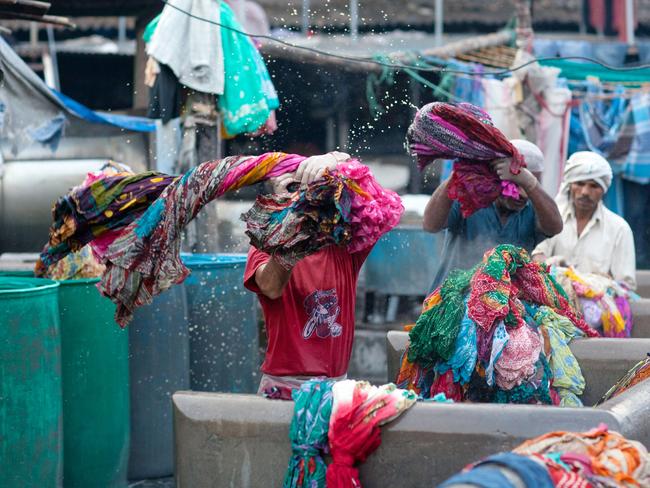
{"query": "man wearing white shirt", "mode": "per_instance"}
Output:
(594, 239)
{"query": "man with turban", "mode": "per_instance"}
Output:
(594, 239)
(525, 221)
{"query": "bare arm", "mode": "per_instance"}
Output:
(549, 219)
(437, 210)
(271, 278)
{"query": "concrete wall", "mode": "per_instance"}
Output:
(643, 282)
(641, 318)
(242, 440)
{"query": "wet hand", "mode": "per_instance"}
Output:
(314, 167)
(281, 183)
(524, 178)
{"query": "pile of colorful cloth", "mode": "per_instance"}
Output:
(604, 302)
(341, 418)
(135, 222)
(465, 133)
(598, 458)
(499, 332)
(639, 372)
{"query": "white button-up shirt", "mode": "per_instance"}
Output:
(606, 245)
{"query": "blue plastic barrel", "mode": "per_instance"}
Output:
(159, 365)
(222, 319)
(403, 262)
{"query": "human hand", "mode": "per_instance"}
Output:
(313, 168)
(524, 178)
(279, 184)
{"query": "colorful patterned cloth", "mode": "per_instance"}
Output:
(463, 361)
(465, 133)
(90, 211)
(598, 456)
(358, 411)
(567, 375)
(481, 335)
(77, 265)
(144, 259)
(308, 434)
(604, 302)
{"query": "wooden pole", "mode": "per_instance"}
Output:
(524, 25)
(45, 19)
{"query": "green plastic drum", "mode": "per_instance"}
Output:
(31, 440)
(95, 388)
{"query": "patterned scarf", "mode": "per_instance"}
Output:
(465, 133)
(308, 434)
(350, 209)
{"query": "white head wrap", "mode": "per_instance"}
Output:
(583, 166)
(532, 154)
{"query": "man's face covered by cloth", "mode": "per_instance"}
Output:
(586, 195)
(535, 163)
(515, 205)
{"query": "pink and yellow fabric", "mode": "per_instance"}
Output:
(358, 410)
(603, 301)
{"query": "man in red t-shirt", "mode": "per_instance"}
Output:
(308, 310)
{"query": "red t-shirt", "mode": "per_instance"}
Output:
(310, 328)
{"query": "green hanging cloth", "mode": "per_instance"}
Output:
(308, 434)
(245, 105)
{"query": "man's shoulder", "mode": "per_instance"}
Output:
(615, 220)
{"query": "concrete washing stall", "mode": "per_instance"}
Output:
(643, 282)
(242, 440)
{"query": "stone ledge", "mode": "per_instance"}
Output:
(242, 440)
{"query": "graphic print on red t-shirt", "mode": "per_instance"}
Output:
(323, 309)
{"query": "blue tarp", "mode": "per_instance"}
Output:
(138, 124)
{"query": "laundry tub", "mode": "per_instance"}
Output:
(95, 388)
(222, 320)
(31, 437)
(225, 439)
(160, 365)
(403, 262)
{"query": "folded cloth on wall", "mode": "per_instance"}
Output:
(498, 332)
(465, 133)
(358, 410)
(342, 418)
(308, 434)
(144, 258)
